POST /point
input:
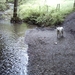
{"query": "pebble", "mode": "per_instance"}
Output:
(55, 43)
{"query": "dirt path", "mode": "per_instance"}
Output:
(48, 58)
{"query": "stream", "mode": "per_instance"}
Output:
(13, 50)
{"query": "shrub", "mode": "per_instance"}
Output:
(3, 6)
(57, 18)
(44, 14)
(10, 1)
(32, 17)
(44, 19)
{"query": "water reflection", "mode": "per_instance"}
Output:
(13, 50)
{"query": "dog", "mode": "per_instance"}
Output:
(59, 32)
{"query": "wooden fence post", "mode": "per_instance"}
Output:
(47, 8)
(58, 7)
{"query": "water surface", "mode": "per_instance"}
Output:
(13, 50)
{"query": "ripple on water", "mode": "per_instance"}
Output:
(14, 57)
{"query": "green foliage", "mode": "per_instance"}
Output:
(51, 18)
(3, 6)
(2, 1)
(44, 14)
(23, 1)
(57, 18)
(32, 16)
(44, 19)
(10, 1)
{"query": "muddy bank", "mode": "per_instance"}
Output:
(48, 58)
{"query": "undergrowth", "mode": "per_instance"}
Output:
(3, 6)
(44, 15)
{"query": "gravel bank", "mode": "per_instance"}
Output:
(48, 58)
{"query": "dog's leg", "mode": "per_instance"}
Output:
(62, 33)
(57, 33)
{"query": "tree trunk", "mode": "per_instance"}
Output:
(15, 9)
(15, 19)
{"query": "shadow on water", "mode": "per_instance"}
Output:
(13, 50)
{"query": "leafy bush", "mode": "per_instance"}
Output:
(32, 17)
(3, 6)
(10, 1)
(44, 19)
(57, 18)
(44, 14)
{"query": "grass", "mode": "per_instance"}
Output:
(41, 13)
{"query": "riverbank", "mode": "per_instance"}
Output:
(48, 58)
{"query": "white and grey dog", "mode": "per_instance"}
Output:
(59, 32)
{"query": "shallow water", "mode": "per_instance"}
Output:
(13, 50)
